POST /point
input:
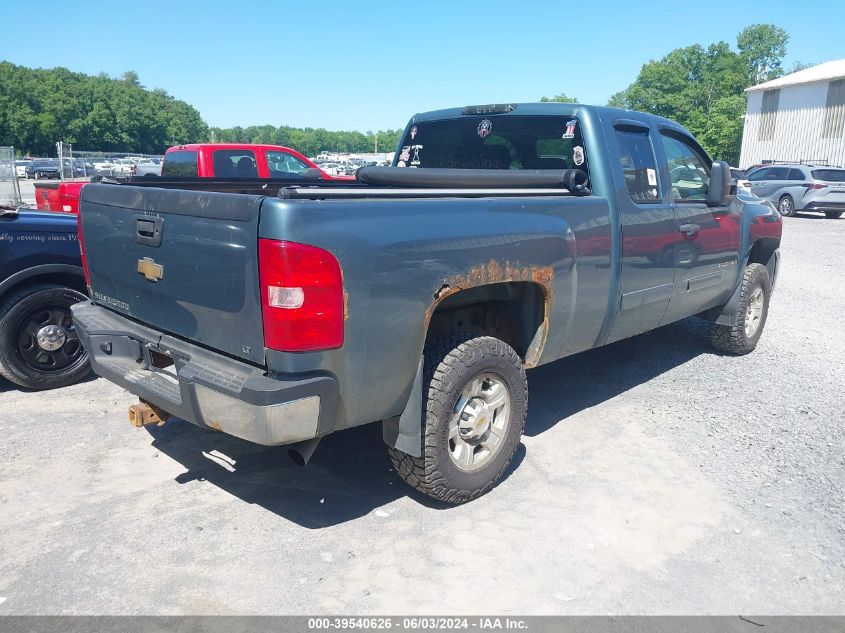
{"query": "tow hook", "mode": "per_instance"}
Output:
(145, 413)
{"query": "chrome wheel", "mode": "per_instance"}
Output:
(754, 312)
(785, 206)
(479, 422)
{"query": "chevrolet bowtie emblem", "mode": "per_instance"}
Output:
(150, 270)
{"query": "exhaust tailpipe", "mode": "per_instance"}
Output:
(301, 452)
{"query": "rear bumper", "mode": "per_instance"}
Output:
(203, 387)
(824, 206)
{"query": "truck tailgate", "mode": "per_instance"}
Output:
(182, 262)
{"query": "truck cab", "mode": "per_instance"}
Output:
(235, 160)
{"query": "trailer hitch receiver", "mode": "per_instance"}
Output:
(144, 413)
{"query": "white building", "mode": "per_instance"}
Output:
(797, 118)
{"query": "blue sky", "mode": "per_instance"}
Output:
(370, 65)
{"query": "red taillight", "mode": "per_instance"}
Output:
(301, 296)
(85, 270)
(816, 185)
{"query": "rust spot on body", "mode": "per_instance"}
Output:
(495, 273)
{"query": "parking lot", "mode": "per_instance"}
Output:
(655, 476)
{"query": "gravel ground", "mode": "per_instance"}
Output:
(654, 477)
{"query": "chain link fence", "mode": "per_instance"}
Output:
(10, 192)
(82, 164)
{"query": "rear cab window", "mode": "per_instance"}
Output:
(180, 164)
(494, 142)
(234, 163)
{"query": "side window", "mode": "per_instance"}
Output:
(284, 165)
(689, 173)
(639, 166)
(235, 163)
(795, 174)
(778, 173)
(758, 174)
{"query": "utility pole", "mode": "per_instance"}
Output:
(376, 143)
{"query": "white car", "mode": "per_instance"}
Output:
(20, 168)
(147, 167)
(122, 166)
(103, 167)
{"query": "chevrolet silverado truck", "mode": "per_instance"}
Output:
(503, 237)
(40, 278)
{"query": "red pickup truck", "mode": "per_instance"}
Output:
(200, 160)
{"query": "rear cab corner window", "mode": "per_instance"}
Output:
(639, 166)
(493, 141)
(180, 164)
(688, 165)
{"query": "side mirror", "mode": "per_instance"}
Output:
(720, 184)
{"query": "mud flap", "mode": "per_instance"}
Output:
(404, 432)
(725, 315)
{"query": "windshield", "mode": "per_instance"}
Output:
(494, 142)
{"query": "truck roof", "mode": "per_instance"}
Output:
(196, 146)
(545, 109)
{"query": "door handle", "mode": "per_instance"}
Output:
(690, 229)
(148, 230)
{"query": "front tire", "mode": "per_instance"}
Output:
(786, 206)
(742, 336)
(39, 347)
(833, 215)
(474, 404)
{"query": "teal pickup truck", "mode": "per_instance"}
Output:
(503, 237)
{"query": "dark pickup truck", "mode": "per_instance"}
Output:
(40, 278)
(504, 237)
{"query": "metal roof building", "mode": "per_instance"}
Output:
(797, 118)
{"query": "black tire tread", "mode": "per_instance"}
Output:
(731, 338)
(442, 356)
(7, 304)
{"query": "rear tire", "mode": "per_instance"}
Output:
(833, 215)
(23, 316)
(786, 206)
(742, 336)
(468, 442)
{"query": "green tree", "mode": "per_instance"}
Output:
(131, 77)
(762, 48)
(618, 99)
(561, 98)
(703, 88)
(41, 106)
